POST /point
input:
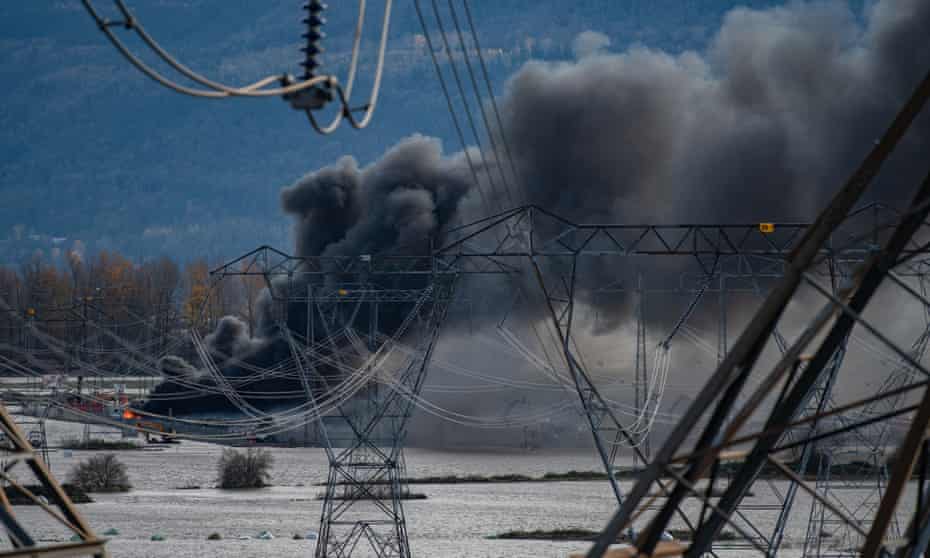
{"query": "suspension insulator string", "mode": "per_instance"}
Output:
(314, 97)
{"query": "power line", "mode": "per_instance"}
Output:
(450, 105)
(345, 95)
(461, 89)
(474, 84)
(308, 94)
(487, 80)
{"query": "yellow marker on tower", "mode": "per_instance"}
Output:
(766, 228)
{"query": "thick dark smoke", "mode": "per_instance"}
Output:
(393, 206)
(764, 125)
(231, 337)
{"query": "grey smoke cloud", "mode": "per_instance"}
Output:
(763, 125)
(396, 205)
(231, 337)
(173, 366)
(393, 205)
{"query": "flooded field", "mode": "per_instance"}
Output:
(454, 520)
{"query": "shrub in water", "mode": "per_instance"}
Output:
(100, 473)
(248, 469)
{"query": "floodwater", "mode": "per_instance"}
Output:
(454, 520)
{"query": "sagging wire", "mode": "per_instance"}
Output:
(310, 93)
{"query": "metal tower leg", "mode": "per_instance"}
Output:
(59, 506)
(604, 425)
(363, 502)
(606, 428)
(919, 529)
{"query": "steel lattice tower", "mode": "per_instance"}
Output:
(346, 304)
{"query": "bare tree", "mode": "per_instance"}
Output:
(248, 469)
(100, 473)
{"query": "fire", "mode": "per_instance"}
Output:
(128, 414)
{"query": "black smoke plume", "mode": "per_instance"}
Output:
(396, 205)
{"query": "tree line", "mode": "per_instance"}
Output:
(94, 307)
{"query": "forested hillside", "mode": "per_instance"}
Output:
(204, 181)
